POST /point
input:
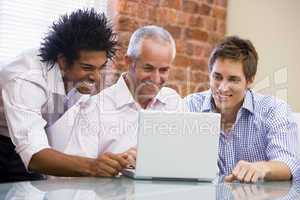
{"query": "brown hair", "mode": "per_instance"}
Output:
(236, 49)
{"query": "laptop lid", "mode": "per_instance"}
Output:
(177, 145)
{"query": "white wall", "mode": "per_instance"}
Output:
(274, 28)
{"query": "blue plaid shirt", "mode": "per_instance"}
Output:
(264, 130)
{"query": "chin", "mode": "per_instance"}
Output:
(84, 90)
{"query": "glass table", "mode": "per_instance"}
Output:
(125, 188)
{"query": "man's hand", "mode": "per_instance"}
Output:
(109, 164)
(249, 172)
(130, 155)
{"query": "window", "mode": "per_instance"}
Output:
(23, 24)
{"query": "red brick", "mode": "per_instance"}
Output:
(182, 61)
(126, 24)
(219, 13)
(153, 14)
(175, 4)
(194, 50)
(199, 64)
(123, 38)
(190, 7)
(180, 46)
(183, 18)
(174, 30)
(221, 27)
(210, 1)
(210, 24)
(196, 34)
(127, 7)
(200, 75)
(150, 2)
(142, 12)
(204, 9)
(222, 3)
(196, 21)
(214, 38)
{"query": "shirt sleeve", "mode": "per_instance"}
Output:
(282, 137)
(23, 101)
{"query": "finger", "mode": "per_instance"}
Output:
(249, 175)
(133, 152)
(236, 170)
(229, 178)
(123, 162)
(255, 177)
(109, 160)
(108, 169)
(241, 175)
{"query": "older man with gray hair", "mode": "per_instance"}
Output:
(150, 53)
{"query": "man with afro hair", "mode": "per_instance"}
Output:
(36, 87)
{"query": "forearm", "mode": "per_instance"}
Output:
(51, 162)
(277, 171)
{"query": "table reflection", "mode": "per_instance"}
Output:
(124, 188)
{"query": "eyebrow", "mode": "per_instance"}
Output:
(149, 65)
(89, 65)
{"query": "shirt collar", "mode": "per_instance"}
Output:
(248, 101)
(125, 97)
(122, 92)
(208, 104)
(54, 80)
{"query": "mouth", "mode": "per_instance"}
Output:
(86, 87)
(223, 97)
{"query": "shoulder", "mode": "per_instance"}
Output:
(196, 100)
(169, 93)
(26, 66)
(268, 104)
(107, 98)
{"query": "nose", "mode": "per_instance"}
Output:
(223, 86)
(155, 77)
(94, 75)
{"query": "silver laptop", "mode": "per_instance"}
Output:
(179, 146)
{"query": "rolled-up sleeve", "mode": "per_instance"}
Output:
(282, 137)
(23, 101)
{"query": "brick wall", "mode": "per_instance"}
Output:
(196, 26)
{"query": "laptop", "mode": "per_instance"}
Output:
(176, 146)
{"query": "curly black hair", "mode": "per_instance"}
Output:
(83, 29)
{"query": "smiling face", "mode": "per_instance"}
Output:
(228, 84)
(151, 70)
(85, 73)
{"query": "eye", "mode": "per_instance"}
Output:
(235, 80)
(164, 70)
(147, 68)
(217, 77)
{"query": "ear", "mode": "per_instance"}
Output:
(250, 82)
(128, 61)
(62, 63)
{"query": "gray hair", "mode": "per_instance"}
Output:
(152, 32)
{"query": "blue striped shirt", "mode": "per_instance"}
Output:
(264, 130)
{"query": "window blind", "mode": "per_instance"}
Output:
(23, 23)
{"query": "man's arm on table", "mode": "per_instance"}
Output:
(52, 162)
(263, 170)
(281, 148)
(26, 127)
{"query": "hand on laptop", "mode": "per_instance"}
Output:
(248, 172)
(109, 164)
(131, 157)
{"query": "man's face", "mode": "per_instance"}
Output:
(150, 72)
(86, 73)
(228, 84)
